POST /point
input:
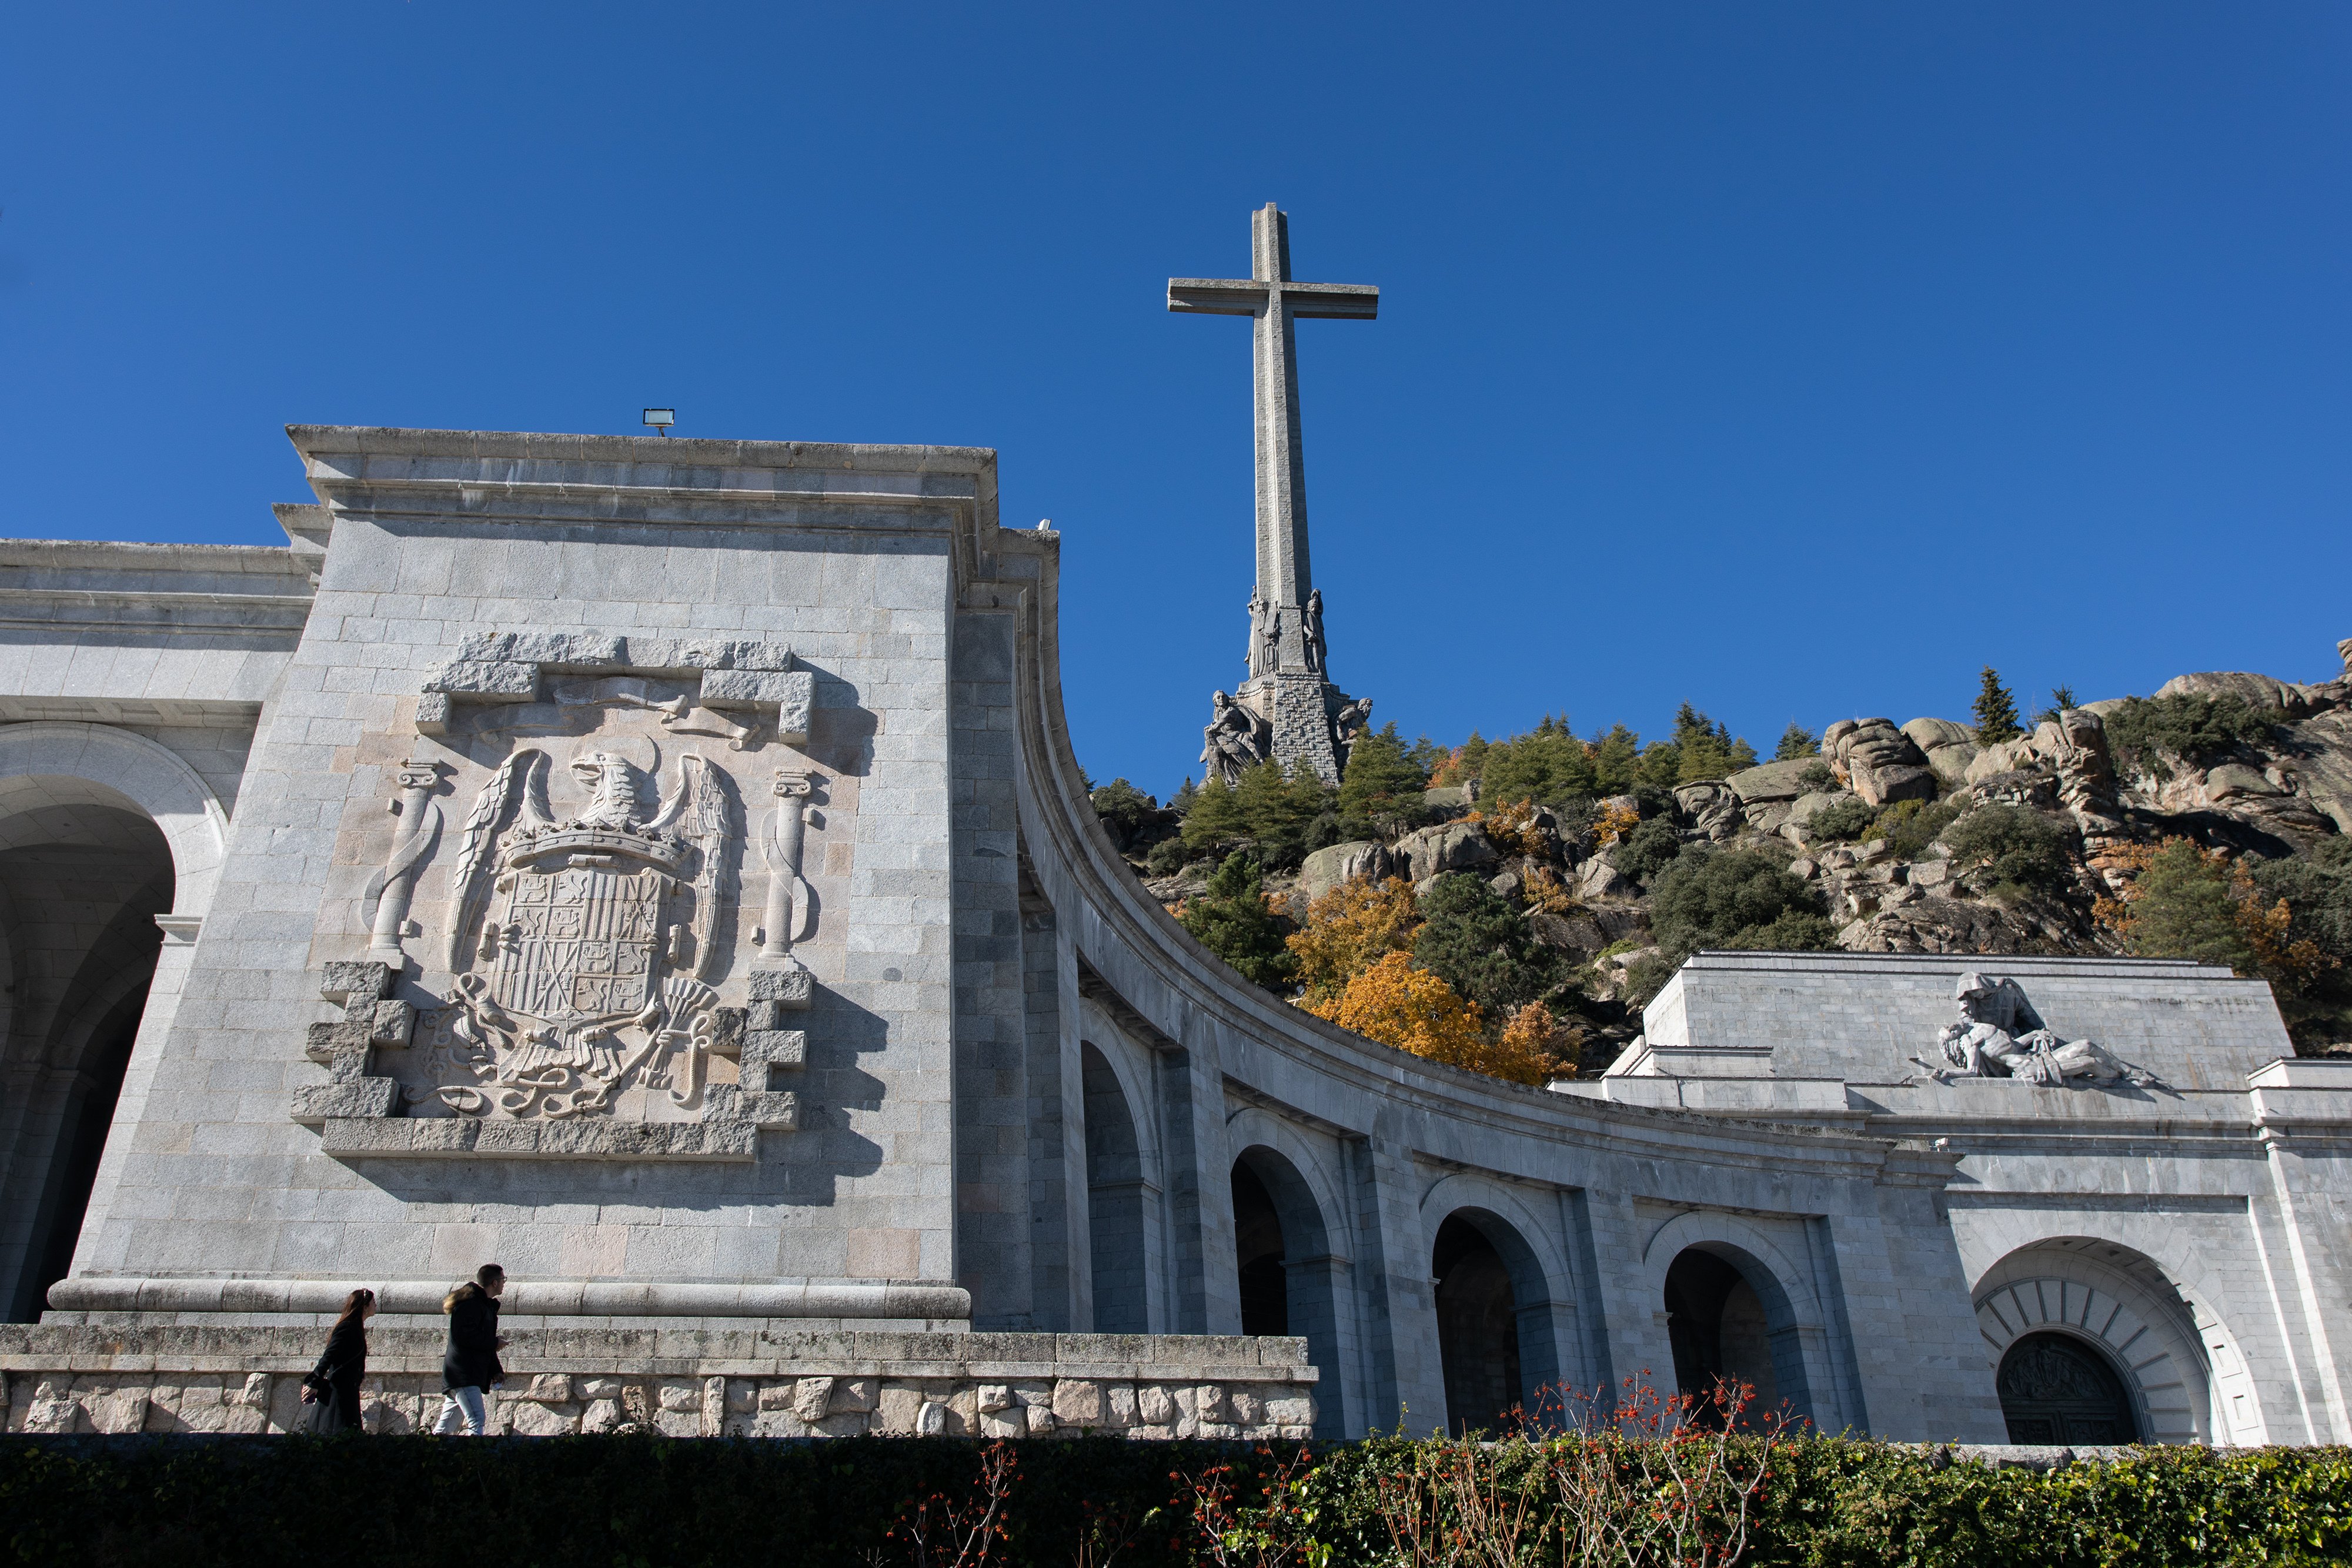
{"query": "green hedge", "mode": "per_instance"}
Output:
(510, 1503)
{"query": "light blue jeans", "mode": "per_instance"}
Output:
(461, 1412)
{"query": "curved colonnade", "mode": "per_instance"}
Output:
(1452, 1247)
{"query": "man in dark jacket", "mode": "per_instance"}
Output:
(469, 1363)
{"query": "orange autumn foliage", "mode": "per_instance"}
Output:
(1347, 931)
(1614, 823)
(1412, 1009)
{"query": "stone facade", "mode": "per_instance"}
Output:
(661, 866)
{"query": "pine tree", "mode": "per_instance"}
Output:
(1797, 743)
(1616, 759)
(1182, 801)
(1380, 779)
(1231, 920)
(1214, 817)
(1276, 808)
(1545, 766)
(1996, 711)
(1482, 946)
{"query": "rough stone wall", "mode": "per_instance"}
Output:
(715, 1383)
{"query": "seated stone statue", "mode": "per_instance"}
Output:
(1979, 1043)
(1231, 741)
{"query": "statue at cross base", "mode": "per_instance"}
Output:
(1287, 710)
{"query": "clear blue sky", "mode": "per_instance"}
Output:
(1796, 360)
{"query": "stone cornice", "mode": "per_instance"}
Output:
(499, 477)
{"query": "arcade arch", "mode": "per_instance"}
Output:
(1501, 1343)
(2058, 1313)
(1289, 1272)
(1736, 1309)
(1121, 1201)
(102, 832)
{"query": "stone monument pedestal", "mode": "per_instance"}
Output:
(1300, 709)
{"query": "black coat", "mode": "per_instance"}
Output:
(336, 1378)
(471, 1357)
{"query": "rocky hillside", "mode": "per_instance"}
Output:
(2211, 820)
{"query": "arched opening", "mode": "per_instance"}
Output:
(1283, 1258)
(83, 874)
(1258, 1253)
(2057, 1388)
(1477, 1329)
(2182, 1377)
(1722, 1335)
(1115, 1202)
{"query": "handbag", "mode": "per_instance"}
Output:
(326, 1410)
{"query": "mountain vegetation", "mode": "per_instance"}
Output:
(1508, 906)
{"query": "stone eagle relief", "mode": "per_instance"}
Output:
(578, 927)
(580, 944)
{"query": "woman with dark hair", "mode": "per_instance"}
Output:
(332, 1387)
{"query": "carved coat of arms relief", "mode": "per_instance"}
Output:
(597, 983)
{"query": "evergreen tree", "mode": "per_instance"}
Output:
(1797, 743)
(1481, 946)
(1426, 755)
(1705, 748)
(1182, 801)
(1661, 767)
(1276, 808)
(1996, 711)
(1616, 761)
(1231, 920)
(1545, 766)
(2061, 699)
(1472, 760)
(1215, 818)
(1380, 779)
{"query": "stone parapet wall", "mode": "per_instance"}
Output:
(682, 1383)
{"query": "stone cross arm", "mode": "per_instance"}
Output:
(1252, 296)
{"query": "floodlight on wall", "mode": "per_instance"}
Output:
(661, 419)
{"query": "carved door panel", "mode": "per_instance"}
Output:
(2056, 1389)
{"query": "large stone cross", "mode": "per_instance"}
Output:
(1288, 709)
(1269, 295)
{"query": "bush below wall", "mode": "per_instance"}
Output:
(631, 1500)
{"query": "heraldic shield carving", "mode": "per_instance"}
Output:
(579, 946)
(579, 927)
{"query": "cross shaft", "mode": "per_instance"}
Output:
(1285, 576)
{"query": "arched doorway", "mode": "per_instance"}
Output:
(1721, 1333)
(2184, 1379)
(1284, 1267)
(1116, 1204)
(83, 875)
(1477, 1329)
(2056, 1388)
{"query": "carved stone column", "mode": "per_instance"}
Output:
(420, 828)
(789, 907)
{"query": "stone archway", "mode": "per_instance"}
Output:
(82, 880)
(1721, 1334)
(1119, 1201)
(1287, 1269)
(2183, 1377)
(107, 841)
(1732, 1304)
(1477, 1329)
(1503, 1343)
